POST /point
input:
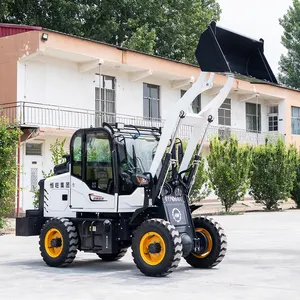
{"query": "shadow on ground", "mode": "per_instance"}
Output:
(117, 270)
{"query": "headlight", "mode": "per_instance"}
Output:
(140, 180)
(166, 190)
(178, 192)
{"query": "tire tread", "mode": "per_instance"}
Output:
(72, 240)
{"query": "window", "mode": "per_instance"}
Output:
(151, 95)
(224, 113)
(105, 102)
(295, 120)
(196, 104)
(273, 118)
(76, 156)
(99, 173)
(253, 117)
(33, 149)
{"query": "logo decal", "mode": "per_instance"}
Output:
(176, 214)
(98, 198)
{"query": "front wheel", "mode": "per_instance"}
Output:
(58, 242)
(213, 241)
(156, 248)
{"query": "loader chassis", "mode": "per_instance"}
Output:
(128, 186)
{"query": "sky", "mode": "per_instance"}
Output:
(257, 19)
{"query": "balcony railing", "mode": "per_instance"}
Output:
(36, 114)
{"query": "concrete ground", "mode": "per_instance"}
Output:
(262, 262)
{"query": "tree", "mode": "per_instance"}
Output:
(143, 40)
(228, 169)
(273, 172)
(289, 64)
(9, 137)
(61, 15)
(169, 28)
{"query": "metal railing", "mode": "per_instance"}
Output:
(37, 114)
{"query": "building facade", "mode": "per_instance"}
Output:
(53, 84)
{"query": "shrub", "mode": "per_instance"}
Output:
(9, 136)
(202, 186)
(273, 172)
(228, 169)
(295, 193)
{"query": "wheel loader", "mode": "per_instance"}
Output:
(127, 186)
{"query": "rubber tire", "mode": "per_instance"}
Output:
(219, 248)
(113, 256)
(173, 243)
(70, 239)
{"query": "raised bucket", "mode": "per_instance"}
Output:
(223, 51)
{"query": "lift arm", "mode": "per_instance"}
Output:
(202, 84)
(197, 131)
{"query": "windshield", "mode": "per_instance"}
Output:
(143, 149)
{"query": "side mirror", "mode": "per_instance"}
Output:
(122, 153)
(67, 157)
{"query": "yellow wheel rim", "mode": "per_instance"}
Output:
(149, 238)
(51, 235)
(209, 243)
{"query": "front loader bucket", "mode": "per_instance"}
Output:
(222, 51)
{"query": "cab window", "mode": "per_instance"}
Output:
(76, 157)
(99, 172)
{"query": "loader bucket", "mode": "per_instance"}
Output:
(223, 51)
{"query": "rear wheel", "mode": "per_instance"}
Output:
(156, 248)
(214, 242)
(58, 242)
(113, 256)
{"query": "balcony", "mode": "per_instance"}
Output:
(29, 114)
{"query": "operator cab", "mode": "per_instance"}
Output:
(114, 158)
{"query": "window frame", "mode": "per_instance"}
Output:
(77, 134)
(293, 118)
(83, 133)
(86, 162)
(223, 108)
(271, 119)
(251, 115)
(103, 103)
(41, 144)
(150, 99)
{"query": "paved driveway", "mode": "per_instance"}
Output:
(263, 262)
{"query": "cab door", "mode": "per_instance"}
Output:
(92, 176)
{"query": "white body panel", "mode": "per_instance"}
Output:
(78, 198)
(81, 201)
(129, 203)
(55, 188)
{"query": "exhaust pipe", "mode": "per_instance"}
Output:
(223, 51)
